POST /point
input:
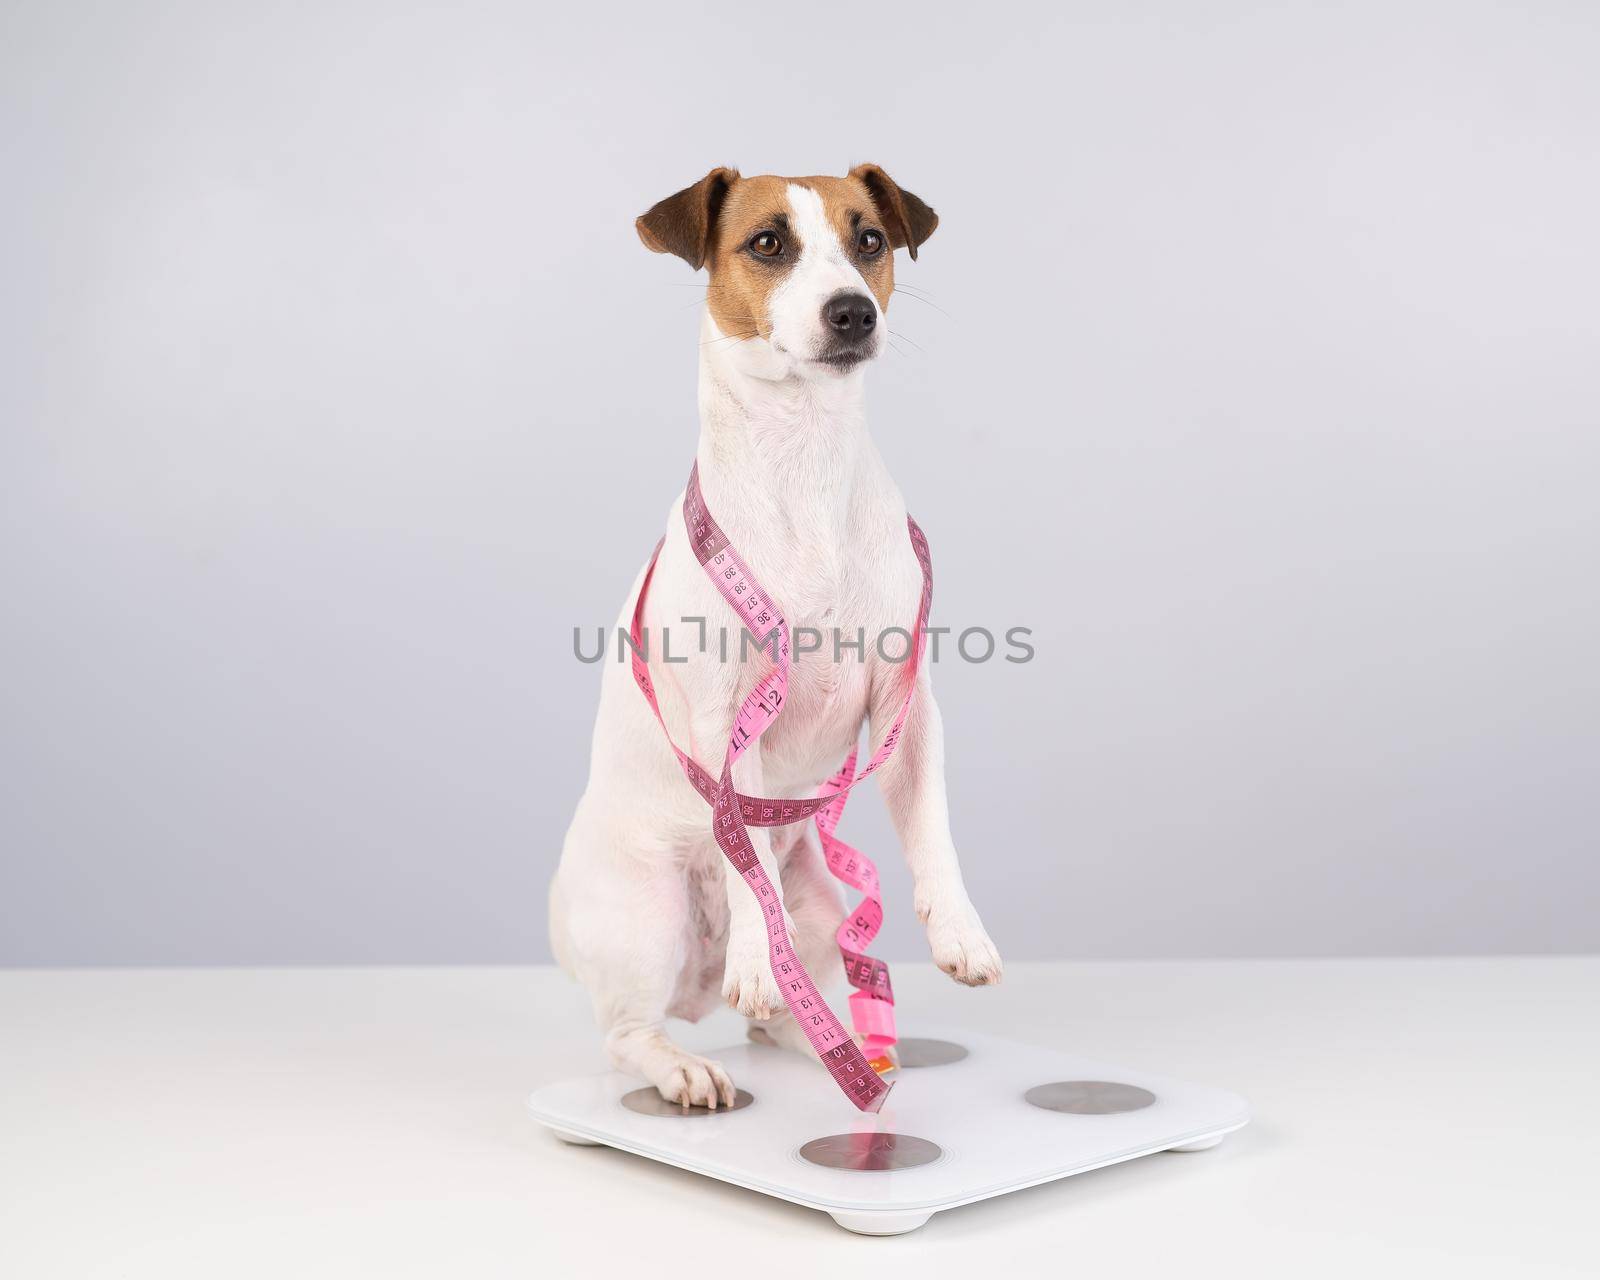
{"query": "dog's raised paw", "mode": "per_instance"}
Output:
(748, 984)
(962, 948)
(747, 981)
(751, 990)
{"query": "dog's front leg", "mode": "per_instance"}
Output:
(747, 981)
(913, 789)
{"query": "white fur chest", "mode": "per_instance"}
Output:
(814, 514)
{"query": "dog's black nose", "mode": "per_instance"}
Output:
(851, 316)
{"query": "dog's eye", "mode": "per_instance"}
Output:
(871, 242)
(766, 244)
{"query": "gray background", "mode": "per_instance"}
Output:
(336, 390)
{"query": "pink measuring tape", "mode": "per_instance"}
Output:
(872, 1002)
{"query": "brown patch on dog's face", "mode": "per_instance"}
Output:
(910, 219)
(753, 249)
(860, 227)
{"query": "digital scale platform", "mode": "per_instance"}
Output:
(970, 1117)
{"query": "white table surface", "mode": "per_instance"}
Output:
(1412, 1118)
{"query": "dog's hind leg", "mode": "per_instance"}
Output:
(628, 939)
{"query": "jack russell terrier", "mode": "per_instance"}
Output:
(644, 910)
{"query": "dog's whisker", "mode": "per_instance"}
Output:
(911, 291)
(905, 337)
(929, 302)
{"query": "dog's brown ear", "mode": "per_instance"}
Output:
(909, 221)
(683, 223)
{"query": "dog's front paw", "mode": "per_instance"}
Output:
(961, 946)
(747, 981)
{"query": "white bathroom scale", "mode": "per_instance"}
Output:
(970, 1116)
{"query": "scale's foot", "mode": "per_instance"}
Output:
(880, 1224)
(1199, 1144)
(574, 1139)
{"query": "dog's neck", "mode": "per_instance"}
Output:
(787, 442)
